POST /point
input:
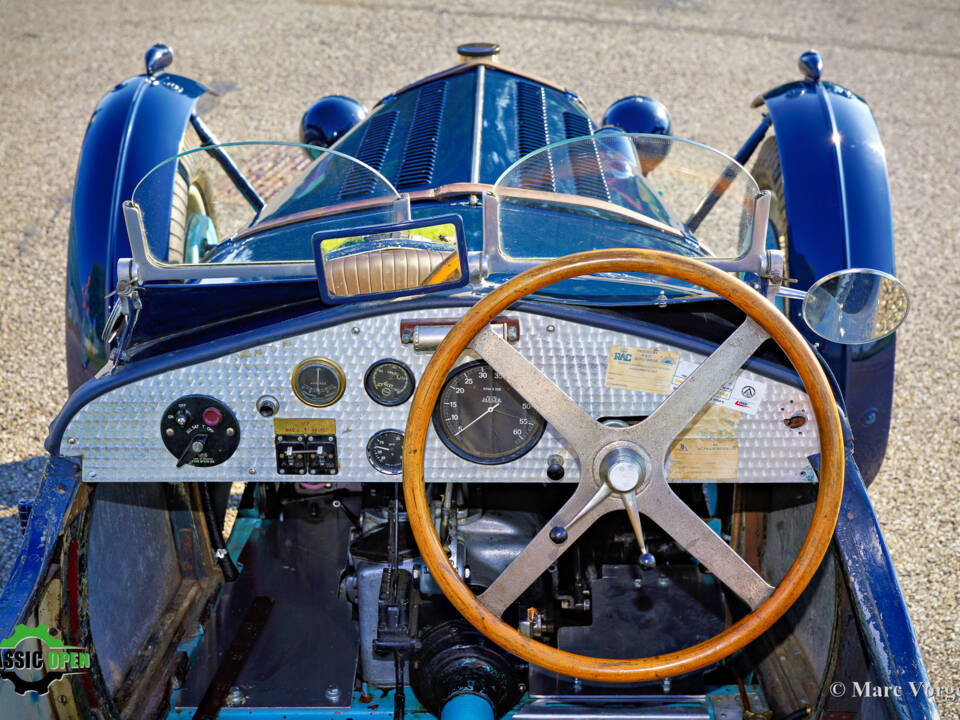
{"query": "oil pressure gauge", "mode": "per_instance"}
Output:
(385, 451)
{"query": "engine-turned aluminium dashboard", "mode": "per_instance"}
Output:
(330, 405)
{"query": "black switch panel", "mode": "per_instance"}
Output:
(306, 454)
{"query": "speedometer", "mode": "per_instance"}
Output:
(481, 418)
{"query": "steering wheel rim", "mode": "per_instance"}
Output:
(733, 638)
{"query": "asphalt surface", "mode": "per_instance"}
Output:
(705, 60)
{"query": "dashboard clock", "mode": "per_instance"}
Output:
(318, 382)
(481, 418)
(389, 382)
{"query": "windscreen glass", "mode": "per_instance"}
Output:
(625, 190)
(236, 202)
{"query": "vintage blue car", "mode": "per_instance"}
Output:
(469, 406)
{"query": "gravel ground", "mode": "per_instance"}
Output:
(705, 60)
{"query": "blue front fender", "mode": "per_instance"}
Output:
(837, 200)
(138, 124)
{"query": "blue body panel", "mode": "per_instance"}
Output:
(467, 706)
(878, 602)
(139, 123)
(837, 199)
(61, 478)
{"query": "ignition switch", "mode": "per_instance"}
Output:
(199, 430)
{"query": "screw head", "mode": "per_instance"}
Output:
(558, 535)
(332, 693)
(235, 696)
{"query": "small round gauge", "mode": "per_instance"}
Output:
(481, 418)
(318, 382)
(389, 382)
(385, 451)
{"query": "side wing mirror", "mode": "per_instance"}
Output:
(855, 306)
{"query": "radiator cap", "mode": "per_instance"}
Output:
(478, 50)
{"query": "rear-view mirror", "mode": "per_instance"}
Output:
(382, 261)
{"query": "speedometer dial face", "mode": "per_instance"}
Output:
(481, 418)
(318, 382)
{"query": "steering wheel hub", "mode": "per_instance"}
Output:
(624, 469)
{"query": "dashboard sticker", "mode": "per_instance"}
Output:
(641, 369)
(714, 421)
(304, 426)
(739, 393)
(704, 459)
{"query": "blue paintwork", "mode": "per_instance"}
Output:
(638, 114)
(329, 119)
(878, 601)
(61, 478)
(371, 704)
(838, 211)
(135, 126)
(467, 706)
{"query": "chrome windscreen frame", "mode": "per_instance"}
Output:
(756, 260)
(143, 267)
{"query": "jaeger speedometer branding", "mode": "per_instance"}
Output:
(481, 418)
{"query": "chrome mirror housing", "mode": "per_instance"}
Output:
(855, 306)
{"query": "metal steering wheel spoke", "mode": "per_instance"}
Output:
(558, 408)
(584, 507)
(674, 517)
(679, 408)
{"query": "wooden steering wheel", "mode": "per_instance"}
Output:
(624, 468)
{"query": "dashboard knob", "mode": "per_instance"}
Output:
(555, 468)
(268, 406)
